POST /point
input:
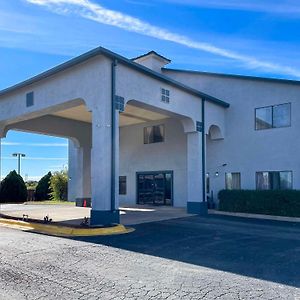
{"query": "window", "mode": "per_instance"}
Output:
(165, 95)
(233, 181)
(273, 116)
(122, 185)
(274, 180)
(29, 99)
(154, 134)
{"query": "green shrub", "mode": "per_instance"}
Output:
(43, 189)
(280, 203)
(59, 186)
(13, 189)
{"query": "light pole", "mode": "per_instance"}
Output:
(19, 155)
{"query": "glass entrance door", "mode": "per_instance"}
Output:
(155, 188)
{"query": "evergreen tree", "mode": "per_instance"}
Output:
(43, 189)
(13, 188)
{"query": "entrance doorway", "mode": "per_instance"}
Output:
(155, 188)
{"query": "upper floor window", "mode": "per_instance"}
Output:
(274, 180)
(165, 95)
(233, 181)
(154, 134)
(273, 116)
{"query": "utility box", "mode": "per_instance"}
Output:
(84, 202)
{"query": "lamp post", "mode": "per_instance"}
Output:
(19, 155)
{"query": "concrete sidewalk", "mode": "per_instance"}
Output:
(71, 215)
(254, 216)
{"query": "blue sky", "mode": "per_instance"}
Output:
(250, 37)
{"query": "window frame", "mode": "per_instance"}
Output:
(272, 126)
(165, 95)
(152, 126)
(282, 171)
(240, 181)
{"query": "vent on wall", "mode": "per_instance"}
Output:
(165, 95)
(29, 99)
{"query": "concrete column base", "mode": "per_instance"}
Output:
(104, 217)
(199, 208)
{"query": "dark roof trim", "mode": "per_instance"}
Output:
(236, 76)
(149, 53)
(102, 51)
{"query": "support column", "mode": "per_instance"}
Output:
(104, 173)
(195, 188)
(79, 172)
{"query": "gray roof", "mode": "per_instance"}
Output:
(154, 53)
(237, 76)
(120, 59)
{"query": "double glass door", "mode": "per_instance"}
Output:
(155, 188)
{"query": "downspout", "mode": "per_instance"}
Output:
(113, 135)
(203, 150)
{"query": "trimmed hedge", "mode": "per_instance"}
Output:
(278, 203)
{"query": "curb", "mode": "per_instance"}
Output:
(255, 216)
(64, 231)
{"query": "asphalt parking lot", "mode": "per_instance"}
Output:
(215, 257)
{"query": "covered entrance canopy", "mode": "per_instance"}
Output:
(100, 101)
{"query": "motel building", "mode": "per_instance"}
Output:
(142, 133)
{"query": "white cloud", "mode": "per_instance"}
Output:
(100, 14)
(17, 23)
(34, 144)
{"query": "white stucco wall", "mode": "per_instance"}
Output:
(244, 149)
(169, 155)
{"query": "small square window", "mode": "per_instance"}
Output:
(233, 181)
(29, 99)
(165, 95)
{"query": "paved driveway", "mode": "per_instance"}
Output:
(190, 258)
(70, 215)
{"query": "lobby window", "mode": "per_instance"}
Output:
(165, 95)
(274, 180)
(122, 185)
(273, 116)
(154, 134)
(233, 181)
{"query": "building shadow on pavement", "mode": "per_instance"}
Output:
(262, 249)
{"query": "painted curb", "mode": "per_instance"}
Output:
(64, 231)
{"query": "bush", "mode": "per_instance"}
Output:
(280, 203)
(13, 189)
(59, 186)
(43, 189)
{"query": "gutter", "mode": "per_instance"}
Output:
(113, 135)
(203, 150)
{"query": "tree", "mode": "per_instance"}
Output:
(59, 186)
(43, 189)
(13, 188)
